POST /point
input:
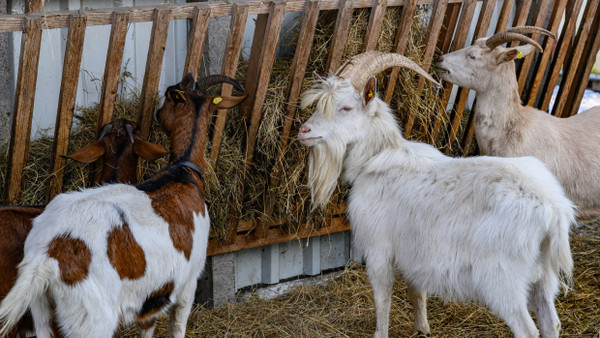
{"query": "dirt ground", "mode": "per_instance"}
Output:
(343, 307)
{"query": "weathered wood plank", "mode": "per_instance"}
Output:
(400, 43)
(584, 67)
(233, 47)
(521, 14)
(340, 34)
(433, 31)
(275, 235)
(504, 15)
(540, 68)
(66, 100)
(112, 69)
(32, 6)
(375, 24)
(156, 52)
(266, 45)
(297, 71)
(23, 107)
(569, 74)
(197, 38)
(540, 17)
(561, 50)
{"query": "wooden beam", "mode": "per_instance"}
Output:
(23, 107)
(375, 24)
(251, 113)
(435, 25)
(156, 52)
(233, 47)
(33, 6)
(569, 73)
(297, 71)
(540, 68)
(466, 16)
(400, 43)
(340, 34)
(112, 69)
(197, 38)
(66, 100)
(562, 48)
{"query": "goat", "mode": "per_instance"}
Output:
(121, 253)
(491, 230)
(119, 146)
(506, 128)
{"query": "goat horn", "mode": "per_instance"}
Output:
(210, 80)
(129, 129)
(360, 68)
(107, 128)
(516, 34)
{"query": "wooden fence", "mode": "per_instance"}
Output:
(573, 52)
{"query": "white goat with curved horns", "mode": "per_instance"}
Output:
(504, 127)
(486, 229)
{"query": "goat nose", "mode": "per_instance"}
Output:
(304, 130)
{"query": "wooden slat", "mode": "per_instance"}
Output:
(584, 67)
(253, 113)
(276, 235)
(233, 47)
(538, 21)
(156, 52)
(569, 75)
(375, 24)
(23, 106)
(400, 43)
(540, 68)
(297, 71)
(561, 51)
(99, 17)
(458, 42)
(197, 38)
(112, 69)
(521, 14)
(483, 23)
(340, 34)
(66, 100)
(32, 6)
(433, 31)
(504, 15)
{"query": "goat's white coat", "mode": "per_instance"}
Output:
(491, 230)
(504, 127)
(90, 215)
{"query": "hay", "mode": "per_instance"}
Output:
(343, 307)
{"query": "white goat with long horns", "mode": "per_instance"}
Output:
(504, 127)
(491, 230)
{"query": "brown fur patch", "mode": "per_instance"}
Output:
(145, 325)
(73, 257)
(125, 254)
(155, 302)
(176, 203)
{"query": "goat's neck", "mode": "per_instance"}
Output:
(381, 133)
(188, 142)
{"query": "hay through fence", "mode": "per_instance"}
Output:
(292, 199)
(343, 307)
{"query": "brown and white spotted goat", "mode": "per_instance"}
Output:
(121, 253)
(119, 146)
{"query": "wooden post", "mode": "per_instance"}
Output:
(66, 100)
(197, 37)
(156, 51)
(340, 35)
(23, 108)
(375, 24)
(32, 6)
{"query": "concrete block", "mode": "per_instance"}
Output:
(312, 256)
(223, 278)
(270, 264)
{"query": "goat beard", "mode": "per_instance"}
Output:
(325, 164)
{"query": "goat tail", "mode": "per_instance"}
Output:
(33, 280)
(559, 251)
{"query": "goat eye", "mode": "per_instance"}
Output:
(346, 109)
(471, 56)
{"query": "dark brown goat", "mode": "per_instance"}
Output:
(119, 147)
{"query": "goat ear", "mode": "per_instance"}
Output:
(225, 101)
(89, 153)
(369, 91)
(188, 83)
(514, 53)
(147, 150)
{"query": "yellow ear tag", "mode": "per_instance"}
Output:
(217, 100)
(370, 94)
(520, 55)
(180, 92)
